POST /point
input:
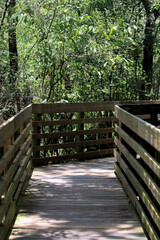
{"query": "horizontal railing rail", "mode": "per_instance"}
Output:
(15, 164)
(138, 161)
(68, 131)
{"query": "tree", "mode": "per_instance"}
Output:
(80, 50)
(4, 13)
(152, 13)
(12, 41)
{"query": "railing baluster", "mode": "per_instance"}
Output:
(37, 129)
(80, 127)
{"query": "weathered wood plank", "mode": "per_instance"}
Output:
(9, 218)
(145, 130)
(81, 107)
(154, 189)
(13, 168)
(153, 211)
(72, 133)
(5, 160)
(8, 128)
(26, 171)
(62, 158)
(74, 121)
(147, 158)
(72, 107)
(10, 205)
(83, 197)
(146, 222)
(7, 201)
(72, 144)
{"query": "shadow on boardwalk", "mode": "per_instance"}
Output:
(82, 200)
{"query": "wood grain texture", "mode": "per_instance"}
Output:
(81, 107)
(144, 218)
(8, 128)
(74, 121)
(63, 158)
(82, 200)
(145, 176)
(8, 178)
(72, 144)
(146, 131)
(148, 159)
(72, 133)
(72, 107)
(9, 155)
(143, 195)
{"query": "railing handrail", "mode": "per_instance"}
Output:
(142, 128)
(8, 128)
(138, 166)
(83, 107)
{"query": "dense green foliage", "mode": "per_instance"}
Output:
(80, 51)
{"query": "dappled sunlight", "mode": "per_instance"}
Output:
(76, 201)
(81, 169)
(37, 220)
(119, 232)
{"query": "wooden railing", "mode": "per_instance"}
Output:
(15, 164)
(138, 156)
(63, 132)
(44, 133)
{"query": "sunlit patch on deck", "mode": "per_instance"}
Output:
(82, 200)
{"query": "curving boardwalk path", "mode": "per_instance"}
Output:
(81, 200)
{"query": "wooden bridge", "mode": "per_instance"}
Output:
(82, 199)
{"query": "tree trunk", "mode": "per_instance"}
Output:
(148, 44)
(13, 52)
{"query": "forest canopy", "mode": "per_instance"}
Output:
(78, 51)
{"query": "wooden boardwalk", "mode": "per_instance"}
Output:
(82, 200)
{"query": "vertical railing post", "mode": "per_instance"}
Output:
(1, 154)
(80, 137)
(37, 129)
(119, 137)
(154, 115)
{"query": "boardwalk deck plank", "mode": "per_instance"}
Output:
(82, 200)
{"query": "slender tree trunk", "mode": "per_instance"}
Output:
(13, 54)
(4, 13)
(12, 40)
(148, 44)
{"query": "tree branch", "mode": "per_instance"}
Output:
(53, 16)
(4, 12)
(40, 37)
